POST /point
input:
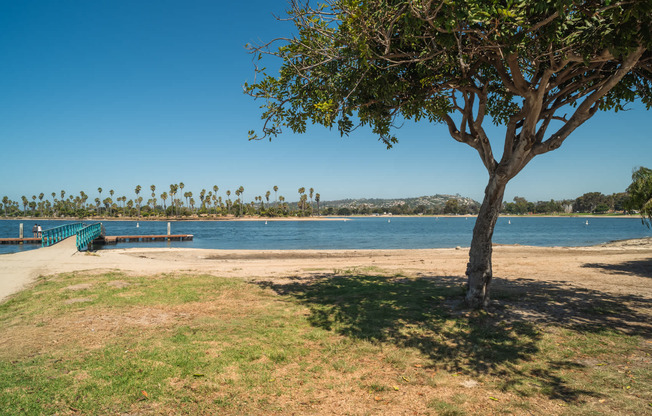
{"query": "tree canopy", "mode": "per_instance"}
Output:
(518, 62)
(540, 68)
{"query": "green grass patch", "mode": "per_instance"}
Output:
(378, 343)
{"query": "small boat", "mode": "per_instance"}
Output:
(509, 221)
(137, 225)
(587, 222)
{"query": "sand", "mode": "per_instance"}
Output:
(619, 268)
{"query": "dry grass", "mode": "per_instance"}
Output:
(352, 343)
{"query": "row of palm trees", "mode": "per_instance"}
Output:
(174, 201)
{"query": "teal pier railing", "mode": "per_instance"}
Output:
(54, 235)
(87, 234)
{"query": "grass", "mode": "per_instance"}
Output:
(358, 342)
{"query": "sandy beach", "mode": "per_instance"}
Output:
(618, 268)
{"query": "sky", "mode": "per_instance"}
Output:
(115, 94)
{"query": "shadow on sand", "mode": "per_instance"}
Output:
(641, 268)
(424, 313)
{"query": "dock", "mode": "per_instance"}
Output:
(109, 239)
(28, 240)
(114, 239)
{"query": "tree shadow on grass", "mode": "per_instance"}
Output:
(641, 268)
(425, 314)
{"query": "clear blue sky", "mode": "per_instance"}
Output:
(124, 93)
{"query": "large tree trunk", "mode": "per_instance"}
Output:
(478, 269)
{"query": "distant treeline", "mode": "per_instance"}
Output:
(589, 203)
(170, 203)
(210, 204)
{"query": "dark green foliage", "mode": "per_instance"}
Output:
(640, 192)
(374, 61)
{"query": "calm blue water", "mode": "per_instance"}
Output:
(358, 233)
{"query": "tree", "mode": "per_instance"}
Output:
(137, 191)
(164, 196)
(540, 69)
(640, 194)
(317, 199)
(452, 206)
(173, 192)
(589, 202)
(301, 191)
(5, 202)
(153, 200)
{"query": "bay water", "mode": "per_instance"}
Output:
(357, 233)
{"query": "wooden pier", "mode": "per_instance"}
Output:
(109, 239)
(28, 240)
(114, 239)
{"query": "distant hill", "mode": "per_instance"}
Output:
(436, 202)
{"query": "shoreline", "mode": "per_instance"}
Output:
(615, 265)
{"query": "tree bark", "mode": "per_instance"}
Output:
(478, 270)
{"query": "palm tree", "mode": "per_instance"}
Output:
(40, 198)
(312, 191)
(187, 195)
(164, 196)
(267, 194)
(111, 192)
(202, 196)
(237, 193)
(173, 192)
(302, 191)
(228, 201)
(137, 190)
(214, 197)
(303, 200)
(181, 186)
(275, 188)
(5, 202)
(153, 189)
(282, 199)
(317, 198)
